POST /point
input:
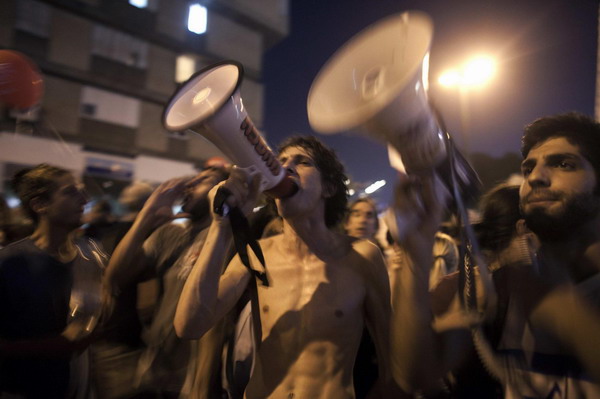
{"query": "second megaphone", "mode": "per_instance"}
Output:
(377, 82)
(209, 103)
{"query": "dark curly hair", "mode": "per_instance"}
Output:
(36, 182)
(332, 174)
(577, 128)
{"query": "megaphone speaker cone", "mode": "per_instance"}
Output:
(202, 95)
(369, 71)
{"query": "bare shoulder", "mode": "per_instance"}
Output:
(367, 249)
(371, 262)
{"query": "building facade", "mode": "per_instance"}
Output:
(109, 68)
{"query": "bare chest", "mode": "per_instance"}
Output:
(317, 297)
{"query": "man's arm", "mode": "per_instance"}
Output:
(129, 259)
(377, 317)
(420, 356)
(555, 305)
(207, 295)
(568, 316)
(73, 339)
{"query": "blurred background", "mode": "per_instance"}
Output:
(110, 66)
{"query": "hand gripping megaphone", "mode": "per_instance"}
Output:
(209, 103)
(377, 82)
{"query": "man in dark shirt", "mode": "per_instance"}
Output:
(49, 291)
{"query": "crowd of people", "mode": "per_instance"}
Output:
(335, 304)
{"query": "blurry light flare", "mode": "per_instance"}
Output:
(375, 186)
(425, 72)
(178, 209)
(139, 3)
(450, 78)
(476, 72)
(197, 19)
(351, 192)
(13, 202)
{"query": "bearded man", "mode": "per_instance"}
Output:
(546, 323)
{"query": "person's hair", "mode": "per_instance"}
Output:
(134, 196)
(36, 182)
(332, 174)
(500, 212)
(222, 170)
(578, 129)
(369, 201)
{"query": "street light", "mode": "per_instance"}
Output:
(476, 73)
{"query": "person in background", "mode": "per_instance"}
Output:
(99, 220)
(116, 353)
(362, 222)
(155, 248)
(547, 309)
(50, 292)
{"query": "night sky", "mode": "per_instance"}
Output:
(545, 51)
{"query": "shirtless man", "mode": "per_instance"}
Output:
(550, 325)
(324, 286)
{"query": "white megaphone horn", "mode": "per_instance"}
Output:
(209, 103)
(377, 82)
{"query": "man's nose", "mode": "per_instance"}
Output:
(290, 167)
(539, 177)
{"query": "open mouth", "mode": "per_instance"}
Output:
(286, 188)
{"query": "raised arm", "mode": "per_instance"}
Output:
(208, 294)
(420, 356)
(129, 259)
(553, 303)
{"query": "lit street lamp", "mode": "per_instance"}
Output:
(476, 73)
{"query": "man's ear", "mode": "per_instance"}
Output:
(522, 228)
(38, 205)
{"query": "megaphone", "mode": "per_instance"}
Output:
(377, 83)
(209, 103)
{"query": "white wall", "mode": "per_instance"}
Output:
(23, 149)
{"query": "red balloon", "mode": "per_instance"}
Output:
(21, 85)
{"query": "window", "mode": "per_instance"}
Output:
(109, 107)
(118, 46)
(33, 17)
(147, 4)
(139, 3)
(197, 19)
(187, 65)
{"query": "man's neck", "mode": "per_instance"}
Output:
(305, 237)
(55, 240)
(579, 253)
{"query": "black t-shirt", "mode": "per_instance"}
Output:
(35, 291)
